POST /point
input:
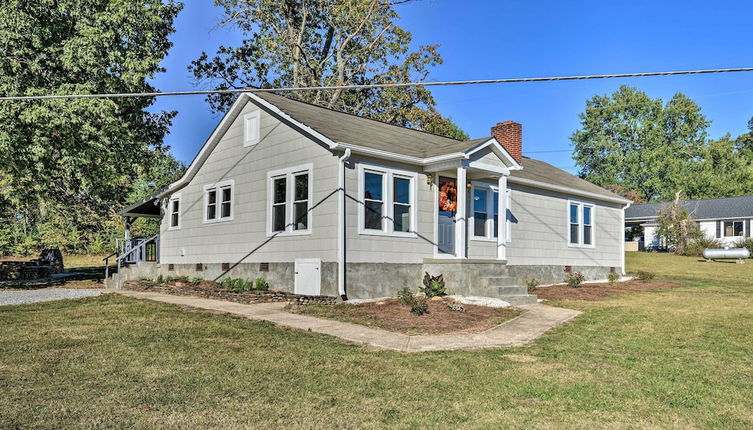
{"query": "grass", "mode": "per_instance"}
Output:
(670, 358)
(674, 267)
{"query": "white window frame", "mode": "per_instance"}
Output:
(581, 204)
(388, 200)
(289, 174)
(218, 187)
(489, 236)
(733, 221)
(251, 136)
(174, 198)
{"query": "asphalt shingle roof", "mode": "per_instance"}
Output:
(351, 129)
(729, 207)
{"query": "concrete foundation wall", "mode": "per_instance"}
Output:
(373, 280)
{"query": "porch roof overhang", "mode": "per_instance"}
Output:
(146, 208)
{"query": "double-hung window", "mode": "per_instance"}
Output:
(387, 201)
(734, 228)
(290, 201)
(173, 208)
(218, 202)
(485, 213)
(580, 224)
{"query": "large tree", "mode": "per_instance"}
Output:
(79, 156)
(630, 140)
(305, 43)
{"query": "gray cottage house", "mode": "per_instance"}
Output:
(321, 202)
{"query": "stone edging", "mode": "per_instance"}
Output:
(247, 297)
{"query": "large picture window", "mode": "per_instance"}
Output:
(388, 201)
(218, 202)
(580, 224)
(485, 213)
(290, 201)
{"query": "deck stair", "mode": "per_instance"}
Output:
(505, 289)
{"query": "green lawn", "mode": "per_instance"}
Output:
(674, 358)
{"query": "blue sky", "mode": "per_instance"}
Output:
(500, 39)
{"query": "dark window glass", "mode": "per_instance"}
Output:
(302, 187)
(175, 213)
(174, 220)
(373, 215)
(574, 214)
(586, 234)
(402, 218)
(372, 186)
(574, 233)
(225, 210)
(212, 204)
(301, 215)
(278, 217)
(225, 205)
(280, 190)
(479, 223)
(738, 228)
(402, 190)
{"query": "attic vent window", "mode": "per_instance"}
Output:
(251, 128)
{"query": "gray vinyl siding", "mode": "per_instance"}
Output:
(540, 228)
(389, 249)
(228, 241)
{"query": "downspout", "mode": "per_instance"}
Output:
(341, 230)
(622, 246)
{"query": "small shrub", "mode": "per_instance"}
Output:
(533, 283)
(645, 276)
(575, 279)
(433, 286)
(405, 296)
(456, 307)
(613, 277)
(745, 242)
(695, 248)
(419, 306)
(160, 279)
(236, 285)
(196, 280)
(260, 284)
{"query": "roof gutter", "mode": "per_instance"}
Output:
(566, 190)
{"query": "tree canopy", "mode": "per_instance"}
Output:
(648, 150)
(75, 160)
(305, 43)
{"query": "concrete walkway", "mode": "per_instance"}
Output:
(536, 320)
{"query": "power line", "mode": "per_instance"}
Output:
(373, 86)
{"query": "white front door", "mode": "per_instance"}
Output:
(308, 276)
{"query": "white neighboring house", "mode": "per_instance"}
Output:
(323, 202)
(725, 219)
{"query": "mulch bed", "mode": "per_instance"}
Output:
(595, 292)
(391, 315)
(208, 290)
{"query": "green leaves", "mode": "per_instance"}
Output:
(637, 143)
(298, 43)
(79, 158)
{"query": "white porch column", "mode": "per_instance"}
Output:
(502, 218)
(461, 226)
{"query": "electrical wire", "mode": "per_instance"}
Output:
(373, 86)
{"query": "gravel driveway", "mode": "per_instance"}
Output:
(43, 295)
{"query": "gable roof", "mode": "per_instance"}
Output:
(721, 208)
(339, 130)
(369, 133)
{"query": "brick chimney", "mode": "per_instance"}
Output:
(510, 135)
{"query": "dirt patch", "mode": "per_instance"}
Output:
(391, 315)
(595, 292)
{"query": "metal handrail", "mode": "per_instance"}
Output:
(107, 264)
(141, 245)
